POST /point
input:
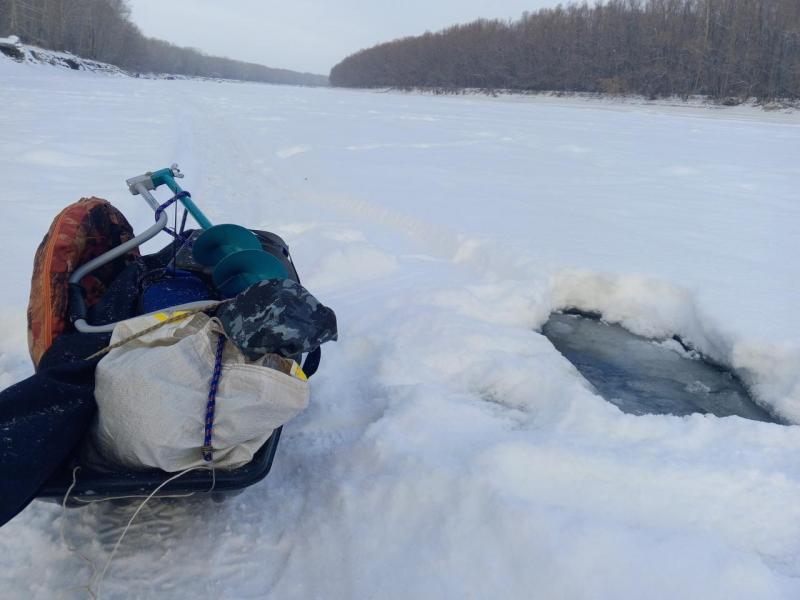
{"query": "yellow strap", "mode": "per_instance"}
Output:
(298, 372)
(163, 320)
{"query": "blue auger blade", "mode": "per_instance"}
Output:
(234, 252)
(240, 270)
(220, 241)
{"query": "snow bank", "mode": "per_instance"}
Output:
(449, 451)
(511, 95)
(66, 60)
(12, 49)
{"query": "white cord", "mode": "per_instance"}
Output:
(70, 547)
(109, 498)
(95, 593)
(100, 579)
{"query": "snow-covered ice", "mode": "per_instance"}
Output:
(449, 450)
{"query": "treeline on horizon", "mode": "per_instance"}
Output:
(717, 48)
(102, 30)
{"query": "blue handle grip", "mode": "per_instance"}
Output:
(164, 177)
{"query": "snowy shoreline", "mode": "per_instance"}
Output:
(787, 106)
(11, 49)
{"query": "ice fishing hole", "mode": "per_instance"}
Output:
(646, 376)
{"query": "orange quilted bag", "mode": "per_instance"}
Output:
(80, 232)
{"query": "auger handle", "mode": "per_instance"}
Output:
(143, 184)
(140, 185)
(167, 177)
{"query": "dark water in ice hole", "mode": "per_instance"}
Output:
(645, 376)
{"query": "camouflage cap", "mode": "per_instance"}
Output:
(277, 316)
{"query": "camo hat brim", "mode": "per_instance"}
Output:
(277, 316)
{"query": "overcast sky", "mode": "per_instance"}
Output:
(307, 35)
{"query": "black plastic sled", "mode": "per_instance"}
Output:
(123, 300)
(94, 485)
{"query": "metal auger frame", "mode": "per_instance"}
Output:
(233, 251)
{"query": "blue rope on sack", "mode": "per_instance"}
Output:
(173, 232)
(207, 449)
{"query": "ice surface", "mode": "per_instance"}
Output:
(449, 451)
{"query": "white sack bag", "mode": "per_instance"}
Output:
(152, 394)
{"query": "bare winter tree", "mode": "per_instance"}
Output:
(720, 48)
(102, 30)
